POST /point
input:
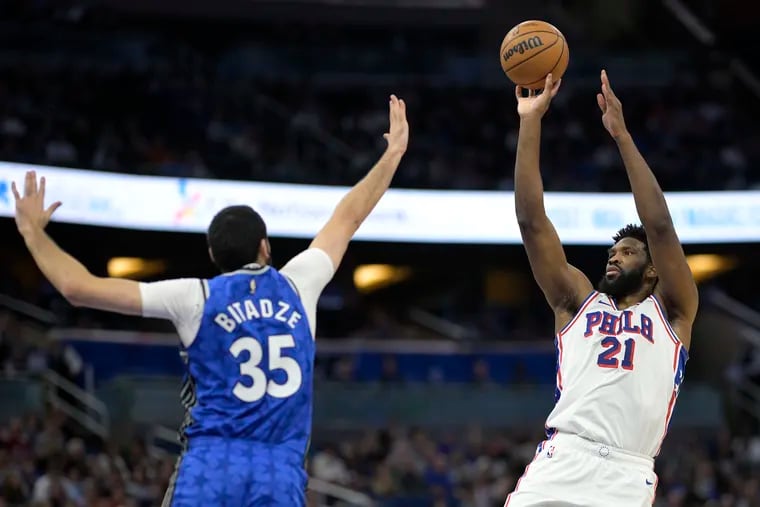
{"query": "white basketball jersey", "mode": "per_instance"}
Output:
(618, 375)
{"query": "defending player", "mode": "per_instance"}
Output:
(247, 337)
(621, 349)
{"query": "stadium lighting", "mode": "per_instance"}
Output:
(706, 266)
(134, 267)
(371, 277)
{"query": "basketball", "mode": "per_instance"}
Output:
(531, 50)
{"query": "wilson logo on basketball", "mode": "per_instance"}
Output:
(523, 46)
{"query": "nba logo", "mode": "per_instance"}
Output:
(550, 451)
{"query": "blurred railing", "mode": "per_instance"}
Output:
(326, 493)
(78, 404)
(58, 392)
(345, 406)
(731, 341)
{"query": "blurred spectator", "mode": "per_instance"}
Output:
(147, 110)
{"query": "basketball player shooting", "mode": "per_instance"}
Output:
(621, 349)
(246, 336)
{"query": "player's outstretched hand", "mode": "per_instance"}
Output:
(398, 132)
(537, 102)
(31, 214)
(612, 109)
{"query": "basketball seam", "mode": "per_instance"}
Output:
(534, 54)
(559, 59)
(564, 45)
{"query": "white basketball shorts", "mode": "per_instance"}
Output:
(570, 471)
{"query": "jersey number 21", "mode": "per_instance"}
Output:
(260, 385)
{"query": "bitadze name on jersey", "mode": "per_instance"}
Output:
(246, 310)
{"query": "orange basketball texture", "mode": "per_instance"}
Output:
(531, 50)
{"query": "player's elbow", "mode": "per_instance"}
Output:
(659, 227)
(531, 224)
(526, 224)
(74, 292)
(343, 224)
(346, 218)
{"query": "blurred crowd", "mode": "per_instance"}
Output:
(413, 468)
(255, 109)
(43, 464)
(198, 126)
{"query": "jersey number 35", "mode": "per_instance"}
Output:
(259, 384)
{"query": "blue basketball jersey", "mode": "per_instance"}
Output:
(249, 370)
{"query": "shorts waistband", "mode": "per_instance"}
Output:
(285, 450)
(608, 452)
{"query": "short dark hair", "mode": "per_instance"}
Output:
(633, 231)
(234, 237)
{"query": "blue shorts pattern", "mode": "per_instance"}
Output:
(235, 473)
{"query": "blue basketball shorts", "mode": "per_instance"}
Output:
(222, 472)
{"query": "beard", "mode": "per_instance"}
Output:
(624, 284)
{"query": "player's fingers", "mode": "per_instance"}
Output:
(606, 84)
(607, 94)
(386, 136)
(555, 87)
(548, 82)
(15, 191)
(42, 188)
(51, 209)
(600, 101)
(30, 183)
(518, 91)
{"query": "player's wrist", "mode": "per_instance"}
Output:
(397, 148)
(531, 119)
(31, 234)
(623, 137)
(395, 151)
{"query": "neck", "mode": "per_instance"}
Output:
(262, 261)
(632, 299)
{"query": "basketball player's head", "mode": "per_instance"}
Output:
(629, 266)
(238, 236)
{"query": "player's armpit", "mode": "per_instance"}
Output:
(675, 286)
(563, 285)
(108, 294)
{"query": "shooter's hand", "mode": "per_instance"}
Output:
(612, 109)
(537, 102)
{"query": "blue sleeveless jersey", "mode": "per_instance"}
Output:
(249, 370)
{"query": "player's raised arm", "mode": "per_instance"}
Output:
(563, 285)
(68, 276)
(676, 284)
(357, 204)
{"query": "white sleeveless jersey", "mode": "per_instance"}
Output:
(618, 375)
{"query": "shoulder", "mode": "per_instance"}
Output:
(310, 267)
(311, 258)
